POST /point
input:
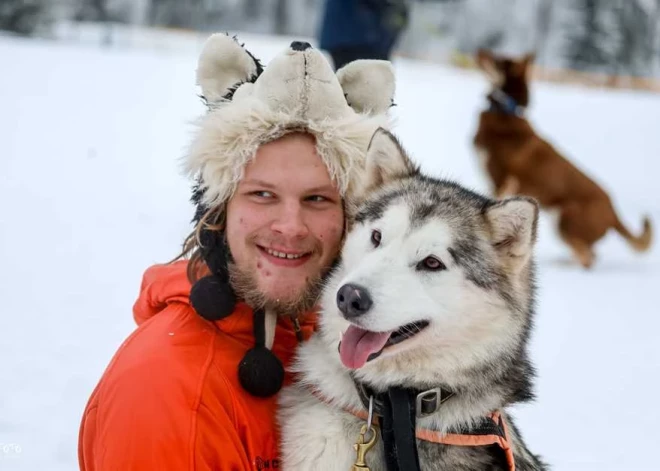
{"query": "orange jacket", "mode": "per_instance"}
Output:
(170, 398)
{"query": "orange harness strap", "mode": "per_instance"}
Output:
(454, 439)
(460, 439)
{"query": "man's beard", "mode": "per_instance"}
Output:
(304, 300)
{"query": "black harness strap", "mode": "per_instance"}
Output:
(387, 433)
(398, 409)
(400, 405)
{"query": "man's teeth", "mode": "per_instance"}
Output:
(277, 254)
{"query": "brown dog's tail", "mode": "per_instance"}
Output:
(640, 243)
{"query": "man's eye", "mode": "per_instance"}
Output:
(262, 194)
(316, 198)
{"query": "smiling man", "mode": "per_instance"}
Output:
(284, 232)
(277, 158)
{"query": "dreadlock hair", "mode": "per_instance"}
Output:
(212, 219)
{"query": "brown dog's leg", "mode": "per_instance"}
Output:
(582, 251)
(573, 231)
(509, 187)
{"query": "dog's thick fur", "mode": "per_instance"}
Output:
(478, 301)
(519, 162)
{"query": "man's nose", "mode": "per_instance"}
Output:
(290, 222)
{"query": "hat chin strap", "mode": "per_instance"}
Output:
(270, 322)
(260, 372)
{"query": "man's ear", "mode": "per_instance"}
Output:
(386, 161)
(512, 224)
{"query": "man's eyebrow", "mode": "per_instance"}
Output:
(257, 182)
(264, 184)
(321, 189)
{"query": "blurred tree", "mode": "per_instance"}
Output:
(192, 14)
(250, 9)
(96, 11)
(281, 16)
(636, 27)
(23, 17)
(543, 24)
(617, 37)
(587, 38)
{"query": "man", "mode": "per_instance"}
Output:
(277, 159)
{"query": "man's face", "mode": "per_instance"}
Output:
(284, 225)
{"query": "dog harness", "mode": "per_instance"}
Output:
(398, 409)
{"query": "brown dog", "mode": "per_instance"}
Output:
(518, 161)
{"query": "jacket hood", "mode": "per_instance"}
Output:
(161, 285)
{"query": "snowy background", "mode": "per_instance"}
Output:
(91, 193)
(611, 37)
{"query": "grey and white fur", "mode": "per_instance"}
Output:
(478, 302)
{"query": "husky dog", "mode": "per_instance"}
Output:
(431, 307)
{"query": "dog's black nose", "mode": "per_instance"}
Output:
(300, 45)
(353, 300)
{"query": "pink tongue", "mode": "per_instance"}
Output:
(357, 344)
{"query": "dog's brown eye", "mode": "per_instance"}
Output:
(375, 238)
(431, 263)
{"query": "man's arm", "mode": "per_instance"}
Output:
(130, 434)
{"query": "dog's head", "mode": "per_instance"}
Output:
(433, 278)
(507, 74)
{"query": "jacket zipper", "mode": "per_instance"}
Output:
(297, 329)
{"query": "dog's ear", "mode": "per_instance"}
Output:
(223, 64)
(486, 62)
(386, 161)
(368, 85)
(528, 62)
(512, 224)
(484, 58)
(524, 65)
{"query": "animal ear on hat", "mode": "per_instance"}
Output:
(512, 225)
(386, 161)
(223, 65)
(368, 85)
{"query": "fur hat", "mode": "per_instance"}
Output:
(250, 105)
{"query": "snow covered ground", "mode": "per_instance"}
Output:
(91, 194)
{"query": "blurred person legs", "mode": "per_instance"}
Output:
(362, 29)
